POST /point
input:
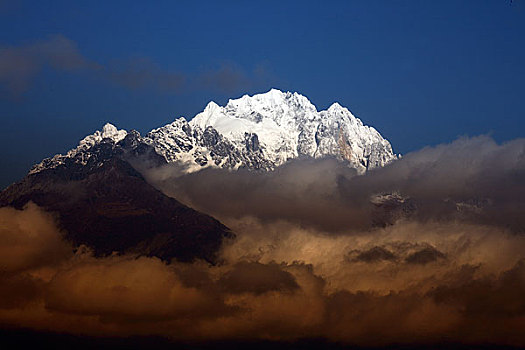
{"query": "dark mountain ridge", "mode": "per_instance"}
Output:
(101, 201)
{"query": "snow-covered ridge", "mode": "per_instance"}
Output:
(109, 132)
(257, 132)
(288, 126)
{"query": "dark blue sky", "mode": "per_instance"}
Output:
(421, 72)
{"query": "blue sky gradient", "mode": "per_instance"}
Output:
(421, 72)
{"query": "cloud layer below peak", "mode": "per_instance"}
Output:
(439, 254)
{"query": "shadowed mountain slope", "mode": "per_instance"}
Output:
(101, 201)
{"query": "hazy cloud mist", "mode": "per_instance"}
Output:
(470, 180)
(138, 73)
(19, 66)
(310, 259)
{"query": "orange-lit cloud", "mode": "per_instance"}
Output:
(449, 269)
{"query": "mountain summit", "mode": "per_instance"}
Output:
(262, 131)
(96, 184)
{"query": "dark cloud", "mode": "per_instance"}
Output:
(16, 70)
(60, 53)
(227, 78)
(231, 78)
(18, 290)
(306, 192)
(425, 256)
(490, 296)
(257, 278)
(19, 65)
(139, 73)
(375, 254)
(376, 320)
(142, 72)
(470, 180)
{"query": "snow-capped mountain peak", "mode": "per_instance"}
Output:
(336, 107)
(80, 153)
(109, 131)
(262, 131)
(281, 107)
(288, 126)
